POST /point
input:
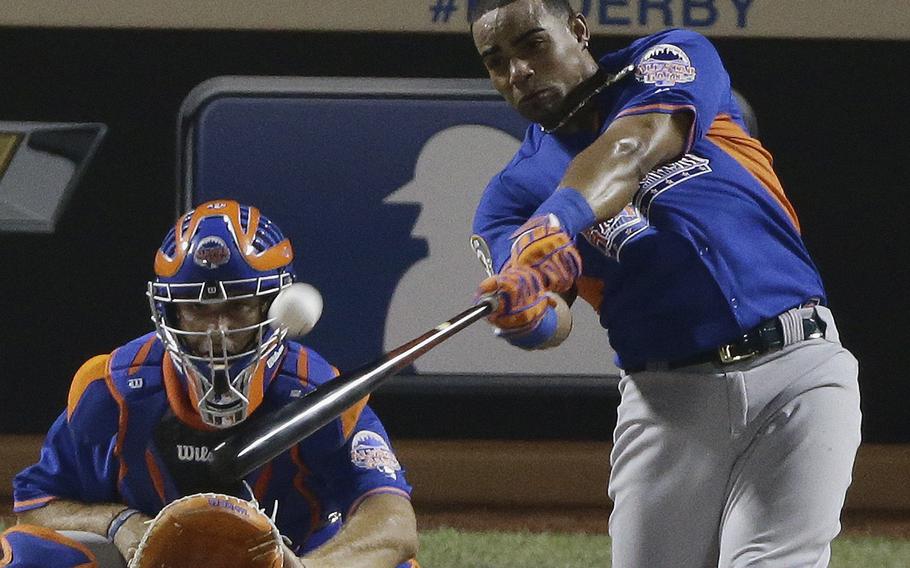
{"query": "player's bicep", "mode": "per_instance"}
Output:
(608, 172)
(659, 137)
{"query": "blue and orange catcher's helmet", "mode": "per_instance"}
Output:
(219, 252)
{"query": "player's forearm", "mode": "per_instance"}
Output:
(74, 516)
(607, 173)
(95, 518)
(382, 532)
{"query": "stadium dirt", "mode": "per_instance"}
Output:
(594, 520)
(879, 482)
(886, 524)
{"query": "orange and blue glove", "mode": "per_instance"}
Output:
(542, 244)
(524, 316)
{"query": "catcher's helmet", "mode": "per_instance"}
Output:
(219, 252)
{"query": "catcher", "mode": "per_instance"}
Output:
(141, 422)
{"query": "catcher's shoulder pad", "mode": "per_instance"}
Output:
(136, 367)
(304, 371)
(92, 412)
(307, 367)
(90, 375)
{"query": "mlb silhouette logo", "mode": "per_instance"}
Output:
(377, 186)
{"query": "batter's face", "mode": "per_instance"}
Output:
(233, 314)
(534, 58)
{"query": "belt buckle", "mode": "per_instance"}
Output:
(725, 352)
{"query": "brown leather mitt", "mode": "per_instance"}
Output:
(211, 530)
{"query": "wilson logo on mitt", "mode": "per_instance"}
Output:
(211, 530)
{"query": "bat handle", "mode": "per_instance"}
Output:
(491, 300)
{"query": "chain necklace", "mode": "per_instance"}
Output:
(611, 79)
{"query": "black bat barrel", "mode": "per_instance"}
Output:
(264, 436)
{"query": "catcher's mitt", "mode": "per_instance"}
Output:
(211, 530)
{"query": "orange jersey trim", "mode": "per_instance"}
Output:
(122, 422)
(35, 501)
(141, 356)
(178, 399)
(303, 366)
(752, 156)
(155, 474)
(45, 534)
(92, 370)
(257, 387)
(262, 482)
(300, 484)
(350, 417)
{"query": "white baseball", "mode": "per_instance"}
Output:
(297, 308)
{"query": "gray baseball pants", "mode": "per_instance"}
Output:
(742, 465)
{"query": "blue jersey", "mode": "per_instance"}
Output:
(708, 247)
(130, 435)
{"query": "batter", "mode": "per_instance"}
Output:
(639, 188)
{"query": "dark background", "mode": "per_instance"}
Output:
(832, 113)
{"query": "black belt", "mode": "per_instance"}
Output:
(763, 338)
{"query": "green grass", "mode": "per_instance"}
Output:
(449, 548)
(871, 551)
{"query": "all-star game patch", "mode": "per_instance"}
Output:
(665, 65)
(369, 451)
(8, 143)
(211, 253)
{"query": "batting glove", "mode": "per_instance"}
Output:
(524, 316)
(543, 245)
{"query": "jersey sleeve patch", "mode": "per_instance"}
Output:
(369, 451)
(665, 65)
(92, 370)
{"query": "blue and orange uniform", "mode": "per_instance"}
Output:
(739, 414)
(683, 253)
(131, 435)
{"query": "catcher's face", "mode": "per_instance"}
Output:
(224, 326)
(534, 57)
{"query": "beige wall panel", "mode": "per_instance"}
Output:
(877, 19)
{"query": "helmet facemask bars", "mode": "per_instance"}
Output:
(220, 378)
(218, 253)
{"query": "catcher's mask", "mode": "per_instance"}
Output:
(219, 252)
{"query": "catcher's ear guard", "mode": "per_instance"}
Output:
(211, 530)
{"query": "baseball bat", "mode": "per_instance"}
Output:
(261, 438)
